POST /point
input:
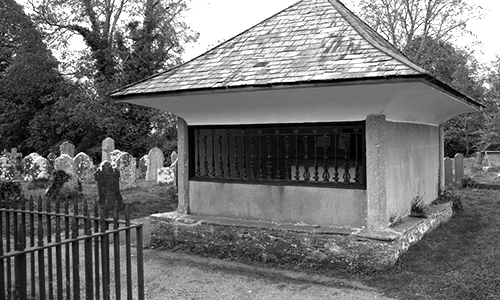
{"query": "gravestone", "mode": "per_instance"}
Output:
(7, 167)
(459, 167)
(84, 167)
(479, 157)
(165, 176)
(143, 167)
(126, 165)
(108, 145)
(448, 171)
(108, 187)
(67, 148)
(65, 163)
(41, 168)
(52, 160)
(27, 166)
(115, 154)
(155, 161)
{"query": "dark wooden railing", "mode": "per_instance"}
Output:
(42, 246)
(319, 154)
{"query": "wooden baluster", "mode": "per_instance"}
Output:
(236, 161)
(278, 172)
(347, 173)
(244, 153)
(252, 156)
(261, 156)
(228, 137)
(205, 163)
(198, 169)
(212, 133)
(316, 172)
(326, 174)
(307, 175)
(31, 207)
(357, 175)
(269, 157)
(49, 250)
(287, 157)
(297, 172)
(221, 159)
(336, 147)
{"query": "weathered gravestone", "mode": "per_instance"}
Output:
(448, 171)
(7, 167)
(126, 165)
(155, 162)
(143, 167)
(27, 166)
(165, 176)
(459, 167)
(108, 187)
(67, 148)
(108, 145)
(84, 167)
(52, 161)
(115, 154)
(41, 168)
(65, 163)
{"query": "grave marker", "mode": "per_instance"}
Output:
(67, 148)
(84, 167)
(143, 167)
(448, 171)
(155, 162)
(108, 186)
(126, 165)
(108, 145)
(459, 167)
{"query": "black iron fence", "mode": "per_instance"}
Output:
(54, 250)
(312, 154)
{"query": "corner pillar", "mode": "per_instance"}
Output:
(441, 158)
(376, 193)
(183, 166)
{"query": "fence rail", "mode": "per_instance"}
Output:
(56, 252)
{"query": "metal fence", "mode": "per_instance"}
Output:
(57, 250)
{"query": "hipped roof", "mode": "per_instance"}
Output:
(310, 41)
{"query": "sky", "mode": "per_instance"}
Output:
(218, 20)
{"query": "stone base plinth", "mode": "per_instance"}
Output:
(297, 245)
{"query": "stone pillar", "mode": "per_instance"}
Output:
(441, 158)
(459, 167)
(376, 206)
(183, 166)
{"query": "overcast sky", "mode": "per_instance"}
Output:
(222, 19)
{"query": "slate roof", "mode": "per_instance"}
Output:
(312, 40)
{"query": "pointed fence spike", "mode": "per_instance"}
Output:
(58, 206)
(32, 203)
(40, 207)
(47, 204)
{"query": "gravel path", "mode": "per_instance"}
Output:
(179, 276)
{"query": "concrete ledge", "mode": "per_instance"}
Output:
(298, 245)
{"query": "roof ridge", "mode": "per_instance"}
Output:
(361, 27)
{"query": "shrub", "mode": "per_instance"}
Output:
(417, 208)
(469, 182)
(9, 189)
(449, 196)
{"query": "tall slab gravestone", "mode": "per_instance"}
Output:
(459, 167)
(126, 165)
(41, 168)
(67, 148)
(155, 162)
(108, 187)
(448, 171)
(108, 146)
(83, 167)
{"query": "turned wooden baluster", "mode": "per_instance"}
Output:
(261, 156)
(307, 175)
(236, 161)
(228, 136)
(357, 176)
(198, 169)
(297, 172)
(326, 174)
(278, 172)
(205, 147)
(287, 157)
(316, 172)
(212, 133)
(252, 156)
(221, 160)
(244, 154)
(347, 173)
(269, 157)
(336, 147)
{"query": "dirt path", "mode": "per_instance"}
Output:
(179, 276)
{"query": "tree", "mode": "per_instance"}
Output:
(28, 75)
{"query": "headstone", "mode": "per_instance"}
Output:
(108, 186)
(52, 160)
(115, 154)
(479, 157)
(492, 158)
(27, 166)
(448, 171)
(65, 163)
(7, 167)
(143, 167)
(67, 148)
(459, 167)
(155, 161)
(41, 168)
(108, 145)
(84, 167)
(126, 165)
(165, 176)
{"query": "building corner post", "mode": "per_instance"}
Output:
(183, 166)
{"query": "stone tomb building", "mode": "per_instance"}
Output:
(309, 119)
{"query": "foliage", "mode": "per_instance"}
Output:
(446, 196)
(417, 207)
(9, 189)
(55, 190)
(469, 182)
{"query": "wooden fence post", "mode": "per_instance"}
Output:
(20, 263)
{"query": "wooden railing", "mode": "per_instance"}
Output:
(56, 252)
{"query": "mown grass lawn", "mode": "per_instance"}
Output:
(458, 260)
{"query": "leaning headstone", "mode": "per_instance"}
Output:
(7, 167)
(65, 163)
(108, 186)
(165, 176)
(448, 171)
(459, 167)
(41, 168)
(155, 161)
(108, 145)
(67, 148)
(115, 154)
(126, 165)
(27, 166)
(143, 167)
(84, 167)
